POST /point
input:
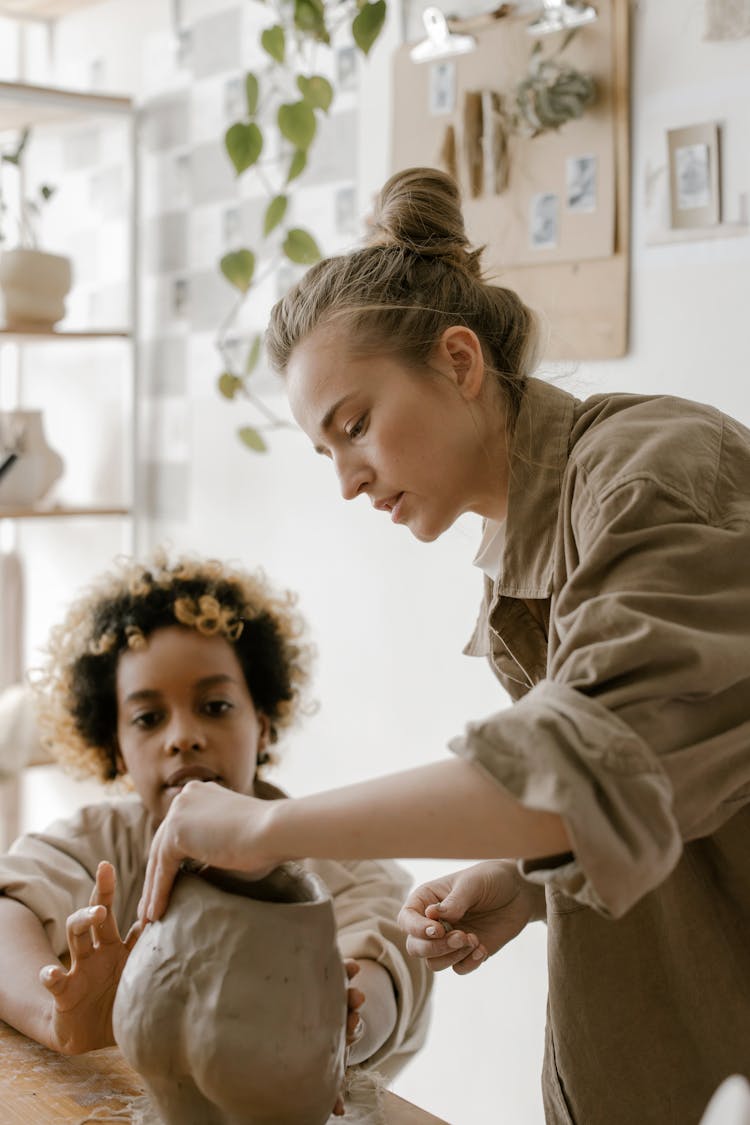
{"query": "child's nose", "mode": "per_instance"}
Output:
(184, 735)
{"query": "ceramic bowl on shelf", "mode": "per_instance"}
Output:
(33, 287)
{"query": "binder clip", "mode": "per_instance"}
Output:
(441, 42)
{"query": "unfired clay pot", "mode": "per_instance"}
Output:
(34, 286)
(233, 1006)
(36, 467)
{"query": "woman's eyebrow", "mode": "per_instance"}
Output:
(330, 414)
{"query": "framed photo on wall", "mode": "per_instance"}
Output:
(694, 175)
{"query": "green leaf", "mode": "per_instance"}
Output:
(297, 165)
(251, 94)
(229, 384)
(244, 143)
(273, 42)
(368, 24)
(310, 18)
(274, 213)
(297, 123)
(301, 247)
(253, 355)
(252, 439)
(238, 268)
(317, 91)
(15, 157)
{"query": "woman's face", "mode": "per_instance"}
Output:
(417, 443)
(184, 713)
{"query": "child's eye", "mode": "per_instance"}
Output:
(146, 720)
(357, 429)
(218, 707)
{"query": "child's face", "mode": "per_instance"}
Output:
(184, 713)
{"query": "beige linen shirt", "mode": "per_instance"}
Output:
(53, 872)
(620, 625)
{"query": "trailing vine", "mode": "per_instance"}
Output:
(285, 100)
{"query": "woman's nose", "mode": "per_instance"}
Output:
(354, 479)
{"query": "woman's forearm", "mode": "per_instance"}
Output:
(447, 809)
(24, 1002)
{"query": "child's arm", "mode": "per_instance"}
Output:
(25, 949)
(69, 1010)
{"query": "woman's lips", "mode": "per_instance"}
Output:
(396, 509)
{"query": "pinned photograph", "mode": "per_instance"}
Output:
(234, 99)
(544, 220)
(180, 297)
(346, 68)
(694, 175)
(442, 87)
(231, 222)
(580, 183)
(345, 211)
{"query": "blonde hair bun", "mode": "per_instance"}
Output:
(419, 209)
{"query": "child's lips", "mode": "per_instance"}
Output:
(181, 777)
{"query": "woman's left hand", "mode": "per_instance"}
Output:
(210, 825)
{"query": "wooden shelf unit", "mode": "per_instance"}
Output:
(45, 10)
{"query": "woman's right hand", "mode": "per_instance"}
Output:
(484, 906)
(211, 826)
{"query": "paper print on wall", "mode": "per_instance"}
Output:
(544, 220)
(442, 86)
(580, 183)
(727, 19)
(694, 175)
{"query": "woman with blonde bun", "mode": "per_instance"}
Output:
(612, 798)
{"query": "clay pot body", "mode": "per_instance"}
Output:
(34, 287)
(233, 1009)
(37, 466)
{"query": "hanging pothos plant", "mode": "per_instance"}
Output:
(285, 99)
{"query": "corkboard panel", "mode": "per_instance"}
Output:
(579, 285)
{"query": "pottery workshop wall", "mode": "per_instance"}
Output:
(390, 615)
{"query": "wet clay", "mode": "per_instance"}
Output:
(233, 1006)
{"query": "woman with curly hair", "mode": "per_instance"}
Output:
(163, 674)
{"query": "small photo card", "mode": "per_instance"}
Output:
(580, 183)
(544, 220)
(694, 181)
(442, 87)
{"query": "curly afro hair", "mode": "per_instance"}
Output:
(76, 687)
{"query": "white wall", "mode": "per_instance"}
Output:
(390, 615)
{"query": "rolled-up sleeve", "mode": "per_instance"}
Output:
(53, 872)
(367, 896)
(639, 736)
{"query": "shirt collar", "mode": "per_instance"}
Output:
(538, 457)
(489, 556)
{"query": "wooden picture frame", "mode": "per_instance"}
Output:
(694, 176)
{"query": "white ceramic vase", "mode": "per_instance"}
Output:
(232, 1007)
(36, 467)
(34, 286)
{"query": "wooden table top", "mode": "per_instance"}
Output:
(40, 1087)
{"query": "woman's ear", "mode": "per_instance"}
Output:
(458, 354)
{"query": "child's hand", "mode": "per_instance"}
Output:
(83, 996)
(354, 1025)
(354, 1001)
(483, 908)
